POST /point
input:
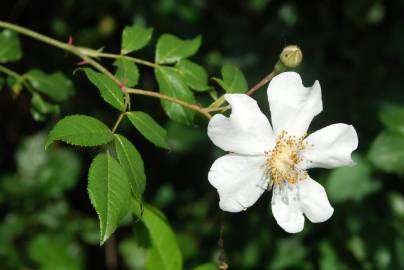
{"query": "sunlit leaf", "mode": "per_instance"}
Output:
(127, 72)
(233, 79)
(41, 107)
(149, 128)
(171, 49)
(60, 174)
(80, 130)
(131, 162)
(375, 13)
(55, 85)
(387, 152)
(30, 156)
(109, 90)
(47, 174)
(162, 237)
(133, 254)
(109, 192)
(193, 75)
(171, 84)
(10, 47)
(135, 37)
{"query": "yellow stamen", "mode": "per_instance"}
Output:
(283, 159)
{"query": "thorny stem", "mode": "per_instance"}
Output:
(194, 107)
(87, 55)
(94, 53)
(69, 47)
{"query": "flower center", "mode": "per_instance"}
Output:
(282, 160)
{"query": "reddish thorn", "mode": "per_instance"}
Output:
(121, 86)
(82, 63)
(70, 40)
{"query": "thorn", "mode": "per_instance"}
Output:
(70, 40)
(82, 63)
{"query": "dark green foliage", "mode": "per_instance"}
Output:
(354, 48)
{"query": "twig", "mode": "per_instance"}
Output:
(149, 93)
(118, 121)
(111, 257)
(222, 256)
(261, 83)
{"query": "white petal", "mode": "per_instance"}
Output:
(286, 208)
(246, 131)
(240, 180)
(314, 201)
(330, 147)
(292, 105)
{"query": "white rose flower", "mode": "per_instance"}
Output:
(263, 157)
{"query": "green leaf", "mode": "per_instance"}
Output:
(47, 174)
(154, 261)
(80, 130)
(132, 253)
(10, 47)
(171, 49)
(290, 253)
(127, 72)
(206, 266)
(329, 259)
(52, 252)
(393, 119)
(170, 84)
(55, 85)
(185, 139)
(357, 177)
(30, 156)
(149, 128)
(42, 107)
(193, 75)
(162, 237)
(387, 152)
(135, 37)
(233, 80)
(109, 90)
(131, 162)
(61, 173)
(109, 192)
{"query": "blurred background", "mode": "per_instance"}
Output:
(353, 47)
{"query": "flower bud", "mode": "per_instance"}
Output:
(291, 56)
